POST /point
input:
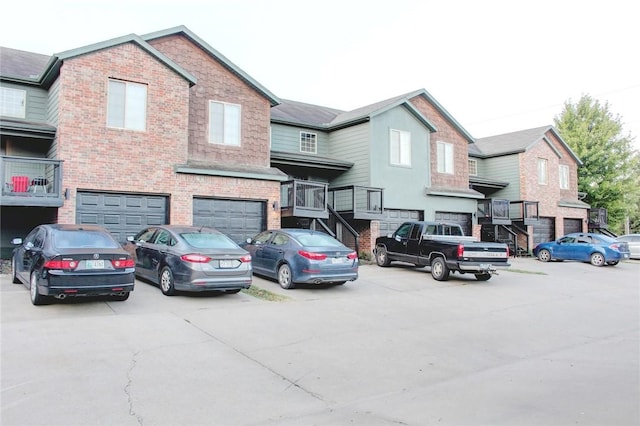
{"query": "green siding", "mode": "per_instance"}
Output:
(506, 169)
(352, 144)
(36, 101)
(287, 139)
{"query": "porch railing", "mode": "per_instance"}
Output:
(304, 198)
(28, 181)
(362, 202)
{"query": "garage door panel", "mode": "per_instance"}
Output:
(239, 219)
(393, 218)
(121, 214)
(462, 219)
(544, 230)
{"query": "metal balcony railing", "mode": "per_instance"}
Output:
(360, 202)
(303, 198)
(524, 211)
(493, 211)
(27, 181)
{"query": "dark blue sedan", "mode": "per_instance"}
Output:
(302, 256)
(597, 249)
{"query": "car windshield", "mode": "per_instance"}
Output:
(205, 240)
(82, 239)
(318, 240)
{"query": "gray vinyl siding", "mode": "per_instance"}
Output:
(404, 187)
(505, 169)
(53, 104)
(352, 144)
(36, 102)
(287, 139)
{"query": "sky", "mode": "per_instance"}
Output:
(496, 66)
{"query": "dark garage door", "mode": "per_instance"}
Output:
(239, 219)
(121, 214)
(572, 225)
(544, 231)
(462, 219)
(394, 218)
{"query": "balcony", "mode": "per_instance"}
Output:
(524, 211)
(357, 202)
(28, 181)
(303, 198)
(493, 211)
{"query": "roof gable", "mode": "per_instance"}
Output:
(185, 32)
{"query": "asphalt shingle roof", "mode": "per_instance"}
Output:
(23, 65)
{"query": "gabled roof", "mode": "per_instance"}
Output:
(184, 31)
(329, 119)
(20, 65)
(516, 142)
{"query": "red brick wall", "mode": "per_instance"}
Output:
(446, 133)
(216, 83)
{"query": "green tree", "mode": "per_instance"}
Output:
(610, 173)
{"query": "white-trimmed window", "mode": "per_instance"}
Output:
(13, 102)
(400, 148)
(308, 142)
(445, 157)
(127, 105)
(473, 167)
(543, 171)
(224, 123)
(564, 177)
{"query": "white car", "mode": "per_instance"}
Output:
(634, 244)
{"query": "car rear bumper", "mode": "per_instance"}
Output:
(214, 284)
(478, 267)
(87, 285)
(325, 278)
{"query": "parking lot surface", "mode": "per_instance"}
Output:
(539, 344)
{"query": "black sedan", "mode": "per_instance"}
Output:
(57, 260)
(190, 258)
(302, 256)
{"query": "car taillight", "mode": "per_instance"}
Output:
(61, 264)
(311, 255)
(460, 250)
(195, 258)
(352, 255)
(246, 258)
(123, 263)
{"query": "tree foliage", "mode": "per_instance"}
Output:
(610, 173)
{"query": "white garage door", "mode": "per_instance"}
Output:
(239, 219)
(121, 214)
(393, 218)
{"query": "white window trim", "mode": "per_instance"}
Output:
(543, 171)
(445, 157)
(564, 176)
(400, 154)
(225, 141)
(13, 102)
(129, 121)
(315, 142)
(475, 166)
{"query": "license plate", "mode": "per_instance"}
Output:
(337, 260)
(94, 264)
(227, 263)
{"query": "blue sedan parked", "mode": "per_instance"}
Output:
(597, 249)
(302, 256)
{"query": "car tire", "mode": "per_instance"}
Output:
(614, 263)
(285, 279)
(439, 269)
(382, 257)
(483, 277)
(36, 298)
(597, 259)
(120, 297)
(544, 255)
(167, 283)
(14, 277)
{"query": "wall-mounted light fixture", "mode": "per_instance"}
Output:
(275, 205)
(67, 193)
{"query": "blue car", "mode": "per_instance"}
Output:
(597, 249)
(302, 256)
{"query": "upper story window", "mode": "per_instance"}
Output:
(445, 157)
(13, 102)
(224, 123)
(127, 108)
(543, 171)
(564, 177)
(308, 142)
(400, 148)
(473, 167)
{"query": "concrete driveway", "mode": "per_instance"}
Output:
(541, 344)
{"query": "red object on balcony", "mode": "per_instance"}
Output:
(20, 183)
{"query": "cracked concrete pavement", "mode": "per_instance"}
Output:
(553, 343)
